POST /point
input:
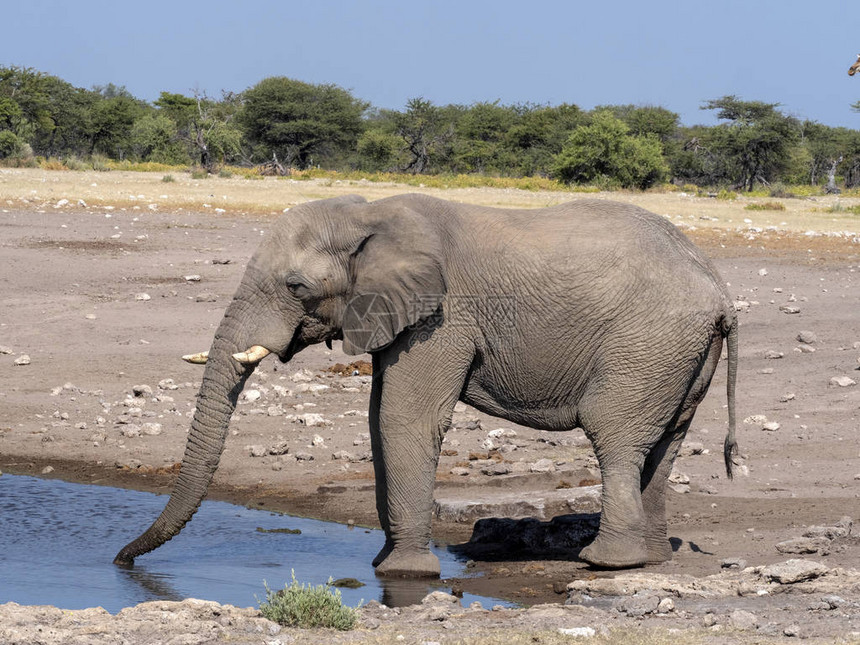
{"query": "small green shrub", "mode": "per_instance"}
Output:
(10, 144)
(167, 179)
(727, 194)
(299, 605)
(199, 173)
(765, 206)
(780, 191)
(100, 164)
(224, 173)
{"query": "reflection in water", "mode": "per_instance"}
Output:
(57, 542)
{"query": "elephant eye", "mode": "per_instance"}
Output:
(297, 288)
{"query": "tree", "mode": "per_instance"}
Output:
(605, 150)
(300, 121)
(756, 143)
(425, 130)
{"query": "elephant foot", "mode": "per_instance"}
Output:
(615, 553)
(384, 552)
(659, 550)
(413, 564)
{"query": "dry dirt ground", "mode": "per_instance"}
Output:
(107, 278)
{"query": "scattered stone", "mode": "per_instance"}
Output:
(460, 471)
(733, 563)
(342, 455)
(789, 309)
(803, 545)
(771, 426)
(690, 448)
(141, 390)
(192, 278)
(206, 297)
(281, 448)
(496, 469)
(302, 376)
(666, 606)
(807, 337)
(5, 350)
(791, 631)
(498, 433)
(317, 441)
(803, 348)
(151, 429)
(639, 604)
(304, 456)
(839, 381)
(47, 470)
(167, 384)
(773, 354)
(312, 420)
(788, 396)
(543, 466)
(762, 272)
(257, 450)
(677, 477)
(743, 620)
(742, 305)
(793, 571)
(142, 297)
(23, 359)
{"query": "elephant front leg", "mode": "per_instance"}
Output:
(420, 385)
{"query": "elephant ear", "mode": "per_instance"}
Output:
(397, 279)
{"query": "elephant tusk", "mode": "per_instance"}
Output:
(252, 355)
(198, 358)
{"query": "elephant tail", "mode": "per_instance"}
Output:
(730, 332)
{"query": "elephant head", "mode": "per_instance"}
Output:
(332, 269)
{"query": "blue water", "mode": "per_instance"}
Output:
(58, 541)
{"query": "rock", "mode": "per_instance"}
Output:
(833, 601)
(342, 455)
(836, 381)
(666, 605)
(793, 571)
(542, 466)
(23, 359)
(498, 433)
(791, 631)
(250, 396)
(5, 350)
(803, 348)
(141, 390)
(807, 337)
(47, 470)
(741, 305)
(192, 278)
(151, 429)
(143, 297)
(789, 309)
(257, 450)
(803, 545)
(318, 441)
(639, 604)
(313, 420)
(690, 448)
(743, 620)
(771, 426)
(677, 477)
(788, 396)
(773, 354)
(733, 563)
(167, 384)
(460, 471)
(496, 469)
(206, 296)
(304, 456)
(278, 449)
(762, 272)
(302, 376)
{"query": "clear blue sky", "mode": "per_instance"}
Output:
(673, 54)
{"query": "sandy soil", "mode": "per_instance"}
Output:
(105, 291)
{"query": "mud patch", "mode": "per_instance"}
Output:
(79, 246)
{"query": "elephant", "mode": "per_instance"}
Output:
(591, 314)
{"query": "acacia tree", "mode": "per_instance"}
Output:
(425, 130)
(756, 142)
(300, 122)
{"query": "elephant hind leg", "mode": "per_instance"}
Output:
(655, 474)
(661, 458)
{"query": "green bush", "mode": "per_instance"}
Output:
(167, 179)
(10, 144)
(765, 206)
(606, 153)
(299, 605)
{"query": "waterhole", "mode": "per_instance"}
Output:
(58, 540)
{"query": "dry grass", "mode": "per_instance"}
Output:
(42, 189)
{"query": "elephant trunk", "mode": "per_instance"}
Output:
(223, 380)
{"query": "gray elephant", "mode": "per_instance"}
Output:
(590, 314)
